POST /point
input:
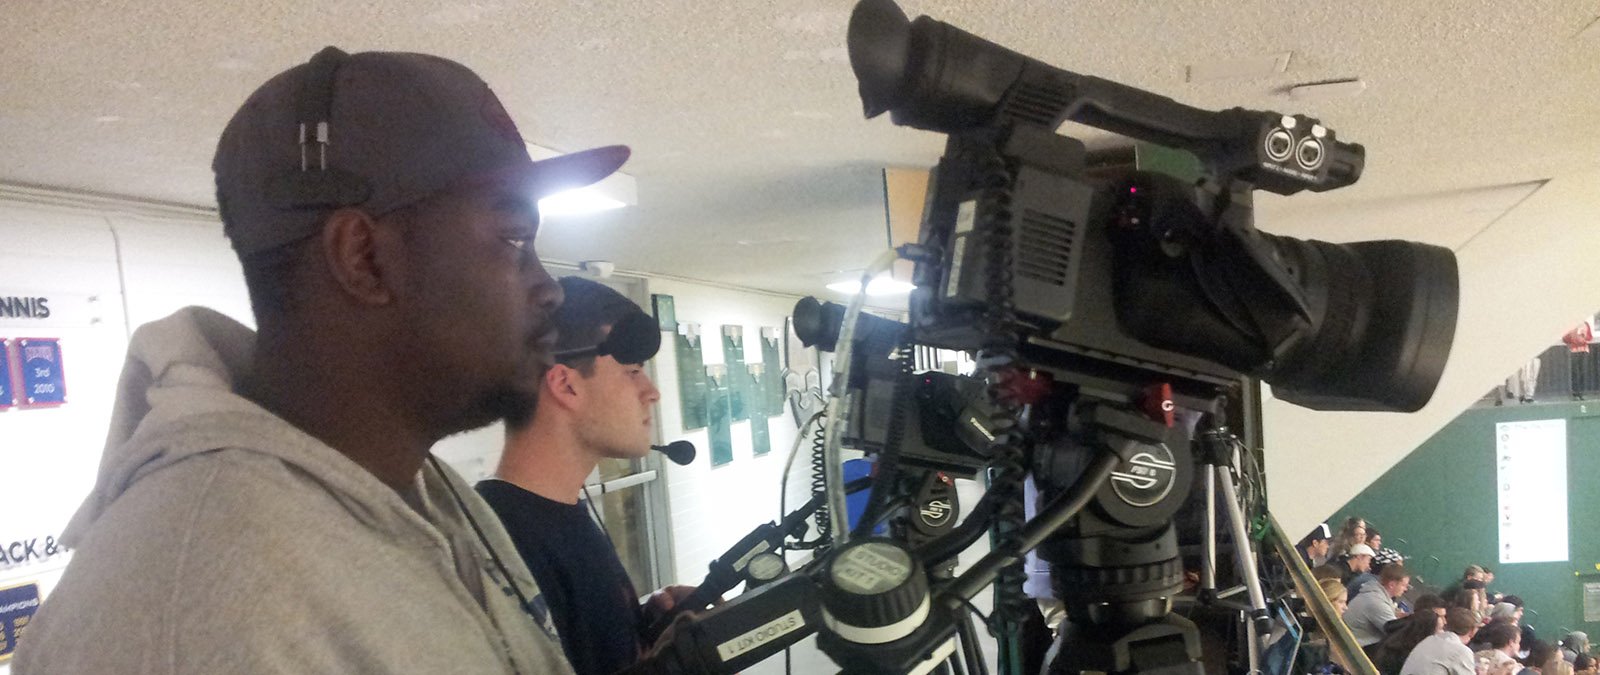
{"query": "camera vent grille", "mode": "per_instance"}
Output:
(1044, 251)
(1038, 104)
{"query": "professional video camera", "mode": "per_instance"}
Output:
(1118, 319)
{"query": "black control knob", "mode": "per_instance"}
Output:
(874, 592)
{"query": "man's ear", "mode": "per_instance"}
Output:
(562, 385)
(357, 252)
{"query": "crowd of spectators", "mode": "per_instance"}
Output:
(1468, 628)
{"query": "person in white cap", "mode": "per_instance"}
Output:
(1355, 562)
(268, 501)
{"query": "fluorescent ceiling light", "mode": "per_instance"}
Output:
(612, 192)
(576, 201)
(882, 285)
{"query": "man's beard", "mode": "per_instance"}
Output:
(507, 403)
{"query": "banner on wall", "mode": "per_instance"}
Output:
(17, 607)
(44, 381)
(693, 386)
(1591, 601)
(1531, 481)
(719, 414)
(737, 383)
(7, 397)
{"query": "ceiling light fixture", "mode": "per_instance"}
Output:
(882, 285)
(577, 201)
(612, 192)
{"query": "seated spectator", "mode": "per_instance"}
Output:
(1331, 570)
(1507, 611)
(1482, 642)
(1352, 532)
(1403, 635)
(1528, 636)
(1503, 641)
(1373, 608)
(1380, 559)
(1314, 656)
(1348, 567)
(1445, 652)
(1472, 573)
(1585, 665)
(1468, 597)
(1336, 594)
(1426, 603)
(1539, 654)
(1575, 643)
(1313, 547)
(1374, 540)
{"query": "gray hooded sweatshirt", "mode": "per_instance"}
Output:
(221, 539)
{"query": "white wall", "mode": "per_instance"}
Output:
(1525, 280)
(104, 266)
(48, 456)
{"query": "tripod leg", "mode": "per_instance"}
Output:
(1244, 556)
(1208, 555)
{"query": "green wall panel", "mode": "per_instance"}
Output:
(692, 381)
(1438, 506)
(719, 415)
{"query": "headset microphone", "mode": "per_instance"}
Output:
(680, 452)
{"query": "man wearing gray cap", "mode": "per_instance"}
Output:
(267, 501)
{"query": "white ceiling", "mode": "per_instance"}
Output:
(754, 165)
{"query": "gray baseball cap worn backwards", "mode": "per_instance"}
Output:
(374, 130)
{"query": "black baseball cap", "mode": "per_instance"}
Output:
(590, 307)
(399, 127)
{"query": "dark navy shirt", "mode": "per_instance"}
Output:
(591, 600)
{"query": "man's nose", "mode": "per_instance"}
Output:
(547, 294)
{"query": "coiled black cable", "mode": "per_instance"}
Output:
(998, 356)
(819, 486)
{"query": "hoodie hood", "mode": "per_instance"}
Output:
(176, 399)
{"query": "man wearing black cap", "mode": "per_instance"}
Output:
(595, 403)
(1313, 547)
(267, 501)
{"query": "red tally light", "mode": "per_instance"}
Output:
(1133, 190)
(1025, 387)
(1158, 403)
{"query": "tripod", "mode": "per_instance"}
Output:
(1219, 454)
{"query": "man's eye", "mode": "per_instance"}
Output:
(519, 242)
